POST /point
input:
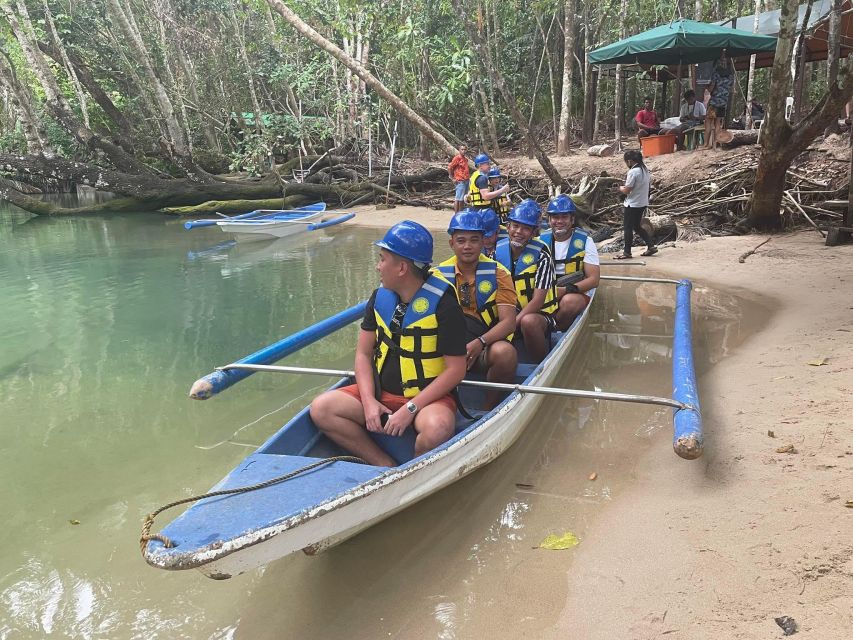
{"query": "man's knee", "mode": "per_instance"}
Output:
(503, 355)
(531, 322)
(572, 304)
(328, 406)
(435, 426)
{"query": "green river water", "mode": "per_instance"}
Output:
(104, 325)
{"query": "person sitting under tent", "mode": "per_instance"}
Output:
(487, 294)
(647, 120)
(575, 255)
(692, 114)
(480, 193)
(529, 261)
(410, 357)
(493, 231)
(501, 204)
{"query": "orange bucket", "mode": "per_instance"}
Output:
(657, 145)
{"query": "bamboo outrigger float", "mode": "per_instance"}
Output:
(312, 496)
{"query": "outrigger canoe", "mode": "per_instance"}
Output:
(264, 224)
(325, 498)
(229, 535)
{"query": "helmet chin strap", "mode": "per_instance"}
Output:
(516, 244)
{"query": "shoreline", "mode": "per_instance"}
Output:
(719, 547)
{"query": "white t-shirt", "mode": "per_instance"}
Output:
(697, 111)
(561, 250)
(639, 180)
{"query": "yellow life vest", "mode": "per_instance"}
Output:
(475, 197)
(523, 271)
(486, 284)
(420, 360)
(574, 256)
(502, 206)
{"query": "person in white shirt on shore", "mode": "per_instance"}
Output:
(636, 189)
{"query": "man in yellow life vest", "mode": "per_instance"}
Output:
(410, 357)
(575, 255)
(480, 193)
(487, 294)
(532, 268)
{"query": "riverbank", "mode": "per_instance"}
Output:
(719, 547)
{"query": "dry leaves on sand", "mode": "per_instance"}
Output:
(788, 448)
(818, 362)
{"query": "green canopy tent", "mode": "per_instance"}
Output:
(682, 42)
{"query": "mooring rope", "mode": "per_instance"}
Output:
(147, 536)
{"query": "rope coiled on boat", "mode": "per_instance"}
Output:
(147, 536)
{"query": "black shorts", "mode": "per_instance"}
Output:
(720, 111)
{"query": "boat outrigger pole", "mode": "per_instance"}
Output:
(688, 440)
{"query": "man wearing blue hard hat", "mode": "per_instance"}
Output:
(575, 260)
(487, 295)
(480, 193)
(493, 231)
(532, 268)
(501, 204)
(410, 357)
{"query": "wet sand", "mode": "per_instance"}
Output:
(719, 547)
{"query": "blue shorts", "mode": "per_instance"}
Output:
(461, 190)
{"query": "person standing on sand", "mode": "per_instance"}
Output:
(459, 174)
(636, 189)
(720, 88)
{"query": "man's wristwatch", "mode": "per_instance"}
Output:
(483, 341)
(411, 407)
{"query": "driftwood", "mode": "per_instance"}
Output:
(745, 255)
(740, 138)
(601, 150)
(659, 227)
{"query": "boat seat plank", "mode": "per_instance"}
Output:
(227, 517)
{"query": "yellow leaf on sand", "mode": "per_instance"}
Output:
(818, 362)
(557, 543)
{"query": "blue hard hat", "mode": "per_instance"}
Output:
(480, 159)
(466, 220)
(561, 205)
(491, 222)
(494, 172)
(409, 240)
(526, 212)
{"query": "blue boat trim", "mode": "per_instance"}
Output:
(221, 380)
(329, 223)
(688, 439)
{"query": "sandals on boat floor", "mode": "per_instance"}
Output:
(622, 256)
(650, 252)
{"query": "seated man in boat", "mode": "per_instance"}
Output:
(411, 355)
(487, 294)
(529, 261)
(575, 255)
(493, 231)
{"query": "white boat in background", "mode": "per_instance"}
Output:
(281, 226)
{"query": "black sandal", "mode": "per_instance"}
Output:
(650, 251)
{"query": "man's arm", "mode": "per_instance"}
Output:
(373, 409)
(491, 195)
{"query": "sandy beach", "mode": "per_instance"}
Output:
(719, 547)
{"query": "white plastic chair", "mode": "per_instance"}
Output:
(789, 107)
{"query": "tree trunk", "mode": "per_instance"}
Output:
(564, 135)
(69, 69)
(618, 98)
(498, 81)
(596, 93)
(244, 58)
(95, 90)
(780, 142)
(800, 68)
(588, 99)
(356, 67)
(55, 101)
(25, 107)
